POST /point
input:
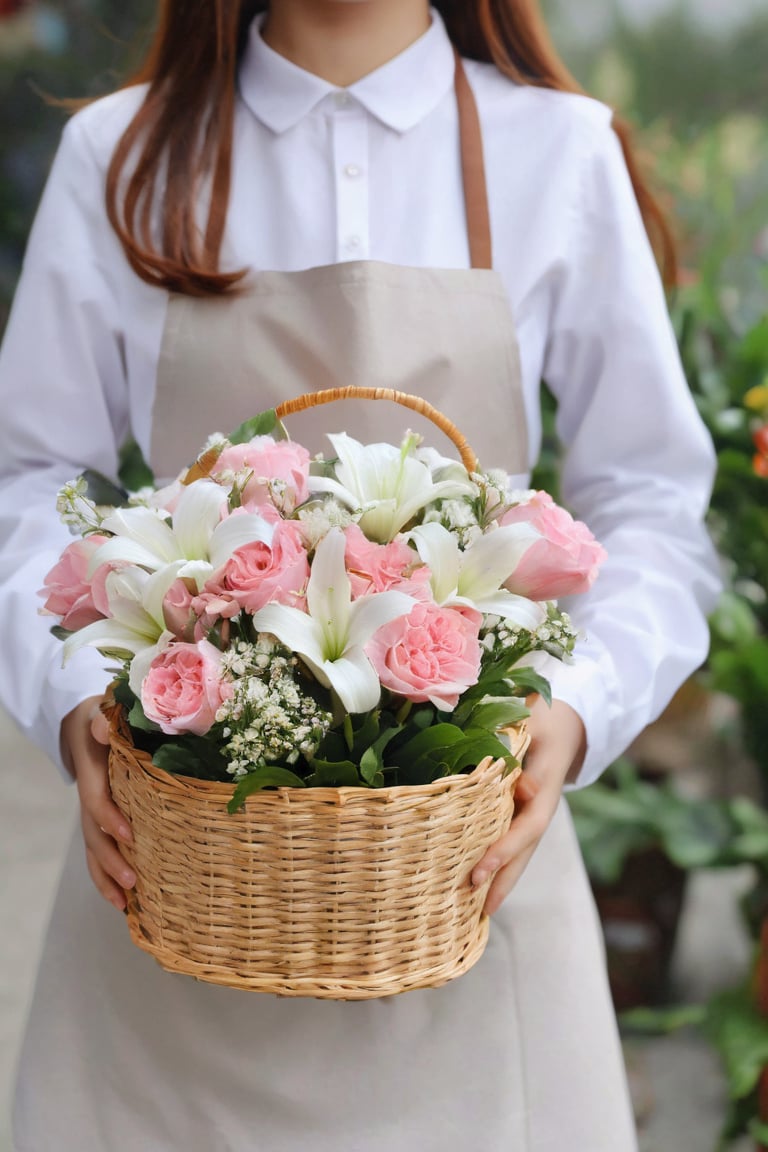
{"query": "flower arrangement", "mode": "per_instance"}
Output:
(365, 619)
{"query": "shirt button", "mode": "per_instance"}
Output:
(353, 243)
(341, 99)
(352, 171)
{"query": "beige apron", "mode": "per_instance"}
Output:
(519, 1055)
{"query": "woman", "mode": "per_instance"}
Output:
(308, 195)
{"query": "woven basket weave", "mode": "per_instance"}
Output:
(337, 893)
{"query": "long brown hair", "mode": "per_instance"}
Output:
(182, 133)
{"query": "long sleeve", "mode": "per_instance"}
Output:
(638, 468)
(63, 403)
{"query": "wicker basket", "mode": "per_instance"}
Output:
(337, 893)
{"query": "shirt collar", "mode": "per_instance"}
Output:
(401, 93)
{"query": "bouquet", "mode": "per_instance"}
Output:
(275, 620)
(314, 661)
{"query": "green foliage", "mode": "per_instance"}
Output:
(623, 814)
(265, 424)
(85, 49)
(740, 1037)
(670, 66)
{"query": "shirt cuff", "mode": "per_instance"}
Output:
(84, 676)
(589, 685)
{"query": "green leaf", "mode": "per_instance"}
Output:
(122, 693)
(270, 776)
(495, 712)
(475, 746)
(180, 760)
(607, 847)
(694, 834)
(372, 759)
(740, 1035)
(758, 1130)
(531, 681)
(133, 470)
(366, 735)
(262, 425)
(436, 738)
(653, 1021)
(371, 768)
(102, 490)
(59, 632)
(333, 774)
(137, 719)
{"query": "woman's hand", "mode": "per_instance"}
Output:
(84, 740)
(558, 744)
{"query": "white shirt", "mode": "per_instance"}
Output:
(322, 175)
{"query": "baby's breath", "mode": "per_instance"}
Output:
(503, 638)
(269, 719)
(318, 519)
(81, 515)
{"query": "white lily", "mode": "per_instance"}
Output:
(474, 576)
(136, 605)
(332, 634)
(387, 484)
(197, 539)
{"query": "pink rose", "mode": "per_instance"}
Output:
(563, 562)
(68, 590)
(259, 574)
(209, 608)
(183, 689)
(178, 614)
(379, 567)
(431, 654)
(268, 459)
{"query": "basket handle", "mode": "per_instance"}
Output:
(415, 403)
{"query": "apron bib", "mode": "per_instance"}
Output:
(521, 1054)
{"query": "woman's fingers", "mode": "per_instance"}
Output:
(109, 871)
(96, 799)
(85, 734)
(557, 748)
(528, 826)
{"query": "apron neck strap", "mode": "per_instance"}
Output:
(473, 172)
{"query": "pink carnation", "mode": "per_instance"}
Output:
(68, 590)
(268, 459)
(183, 689)
(259, 573)
(431, 654)
(563, 562)
(376, 567)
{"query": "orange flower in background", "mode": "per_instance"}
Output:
(756, 400)
(760, 459)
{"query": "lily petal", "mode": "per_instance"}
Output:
(142, 661)
(527, 613)
(491, 559)
(354, 680)
(439, 550)
(235, 532)
(123, 551)
(197, 514)
(155, 589)
(146, 527)
(329, 592)
(369, 613)
(294, 628)
(107, 636)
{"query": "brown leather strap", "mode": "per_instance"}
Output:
(473, 173)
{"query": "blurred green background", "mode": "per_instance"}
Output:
(694, 79)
